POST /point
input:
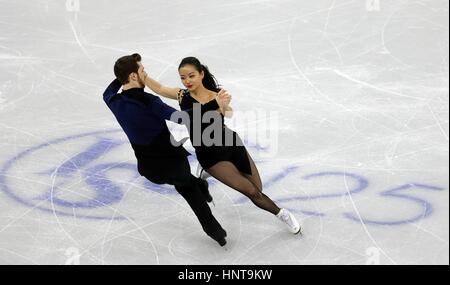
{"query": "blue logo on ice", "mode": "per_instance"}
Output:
(82, 182)
(74, 184)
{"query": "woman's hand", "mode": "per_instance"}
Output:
(171, 93)
(141, 73)
(223, 99)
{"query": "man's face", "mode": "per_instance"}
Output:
(140, 75)
(136, 77)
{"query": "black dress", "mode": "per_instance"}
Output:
(233, 150)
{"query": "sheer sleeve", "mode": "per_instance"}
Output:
(180, 96)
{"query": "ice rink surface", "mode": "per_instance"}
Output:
(362, 95)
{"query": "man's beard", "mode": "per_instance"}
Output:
(141, 83)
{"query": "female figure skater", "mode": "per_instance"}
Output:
(229, 163)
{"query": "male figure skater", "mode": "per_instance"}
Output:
(142, 117)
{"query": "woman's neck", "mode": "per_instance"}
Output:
(200, 91)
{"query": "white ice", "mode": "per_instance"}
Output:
(362, 93)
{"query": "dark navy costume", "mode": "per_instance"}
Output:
(142, 116)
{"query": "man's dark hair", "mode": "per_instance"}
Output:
(125, 66)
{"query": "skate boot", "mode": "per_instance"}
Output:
(204, 189)
(289, 219)
(220, 237)
(201, 173)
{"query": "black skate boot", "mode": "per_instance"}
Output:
(220, 237)
(204, 189)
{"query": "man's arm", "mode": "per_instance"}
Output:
(161, 109)
(228, 112)
(111, 90)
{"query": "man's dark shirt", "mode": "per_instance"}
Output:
(142, 116)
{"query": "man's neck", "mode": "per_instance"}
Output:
(131, 85)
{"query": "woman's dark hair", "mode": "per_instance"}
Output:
(125, 66)
(209, 81)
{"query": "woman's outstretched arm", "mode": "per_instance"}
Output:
(158, 88)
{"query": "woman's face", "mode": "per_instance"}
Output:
(190, 77)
